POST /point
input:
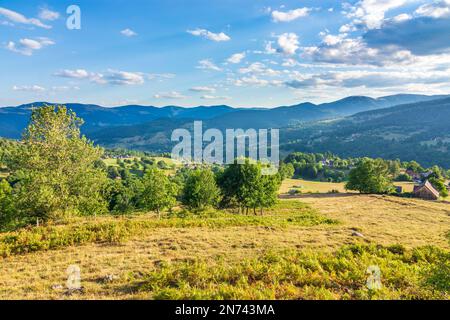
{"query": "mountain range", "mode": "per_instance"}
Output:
(397, 126)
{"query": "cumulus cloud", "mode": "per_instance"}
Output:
(207, 64)
(280, 16)
(33, 88)
(209, 35)
(169, 95)
(202, 89)
(128, 33)
(16, 17)
(355, 51)
(288, 43)
(122, 78)
(437, 9)
(47, 14)
(371, 13)
(113, 77)
(236, 58)
(28, 46)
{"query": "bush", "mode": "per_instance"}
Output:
(304, 275)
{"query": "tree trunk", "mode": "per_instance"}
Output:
(261, 210)
(254, 211)
(159, 214)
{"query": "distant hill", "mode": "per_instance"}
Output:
(14, 119)
(409, 127)
(417, 131)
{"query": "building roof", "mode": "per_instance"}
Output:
(427, 185)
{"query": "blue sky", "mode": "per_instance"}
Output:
(240, 53)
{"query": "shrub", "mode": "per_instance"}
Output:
(304, 275)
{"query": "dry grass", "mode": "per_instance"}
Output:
(384, 220)
(306, 186)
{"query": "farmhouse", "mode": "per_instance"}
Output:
(426, 191)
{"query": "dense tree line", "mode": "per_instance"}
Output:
(56, 173)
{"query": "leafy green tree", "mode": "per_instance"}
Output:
(113, 172)
(123, 196)
(7, 210)
(286, 170)
(159, 192)
(414, 166)
(370, 176)
(245, 186)
(200, 190)
(57, 168)
(436, 178)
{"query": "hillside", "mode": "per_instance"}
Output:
(417, 131)
(409, 131)
(309, 242)
(14, 119)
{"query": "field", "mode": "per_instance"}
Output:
(306, 186)
(318, 247)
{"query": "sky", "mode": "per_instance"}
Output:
(240, 53)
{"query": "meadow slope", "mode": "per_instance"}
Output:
(143, 264)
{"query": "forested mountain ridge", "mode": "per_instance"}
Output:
(412, 131)
(418, 131)
(14, 119)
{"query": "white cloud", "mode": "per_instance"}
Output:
(74, 74)
(371, 13)
(33, 88)
(128, 33)
(210, 35)
(113, 77)
(437, 9)
(356, 52)
(207, 64)
(279, 16)
(160, 76)
(388, 79)
(202, 89)
(254, 81)
(236, 58)
(210, 97)
(269, 49)
(28, 46)
(169, 95)
(20, 18)
(347, 28)
(288, 43)
(47, 14)
(402, 17)
(259, 68)
(122, 78)
(64, 88)
(290, 63)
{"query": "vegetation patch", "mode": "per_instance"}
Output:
(413, 274)
(116, 230)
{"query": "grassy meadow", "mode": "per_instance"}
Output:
(306, 186)
(317, 247)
